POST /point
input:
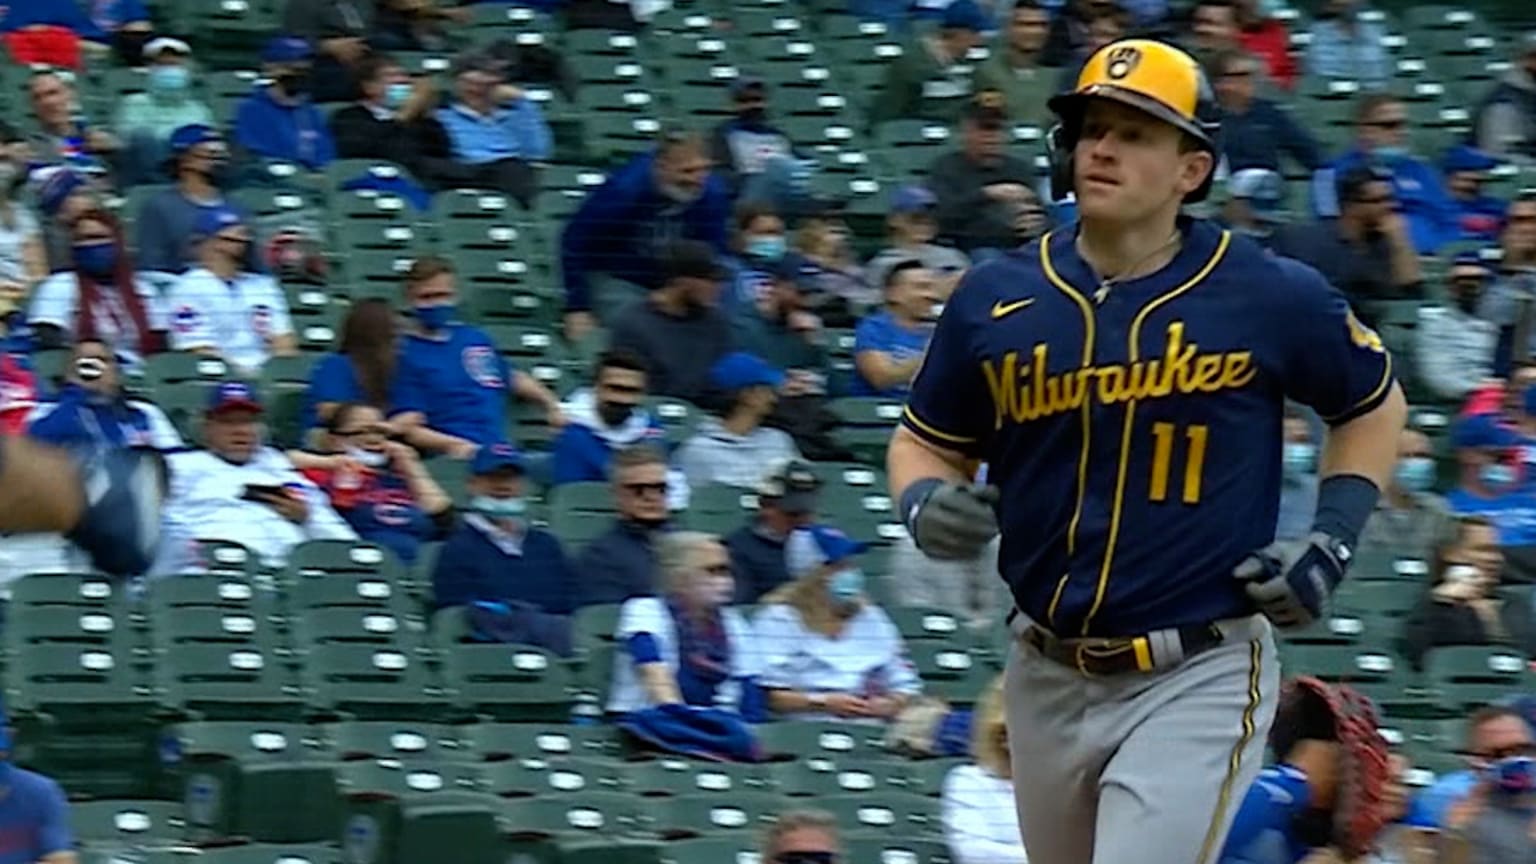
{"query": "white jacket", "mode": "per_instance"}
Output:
(1454, 350)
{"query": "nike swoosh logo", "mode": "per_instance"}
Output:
(1001, 309)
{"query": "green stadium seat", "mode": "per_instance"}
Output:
(267, 204)
(167, 596)
(457, 205)
(131, 823)
(897, 848)
(499, 741)
(371, 682)
(273, 782)
(672, 776)
(378, 234)
(163, 371)
(508, 682)
(80, 626)
(377, 272)
(529, 778)
(423, 743)
(204, 625)
(317, 557)
(592, 814)
(926, 777)
(351, 625)
(808, 739)
(601, 43)
(820, 778)
(263, 853)
(891, 814)
(918, 624)
(1464, 677)
(228, 682)
(75, 683)
(724, 849)
(406, 813)
(1379, 597)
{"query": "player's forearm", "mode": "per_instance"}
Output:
(910, 459)
(1367, 445)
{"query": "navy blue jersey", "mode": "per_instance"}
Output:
(1135, 431)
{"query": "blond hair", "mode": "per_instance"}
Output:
(796, 820)
(675, 555)
(986, 749)
(808, 596)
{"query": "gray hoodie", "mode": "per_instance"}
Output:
(715, 455)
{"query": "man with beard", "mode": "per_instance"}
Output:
(679, 330)
(199, 163)
(621, 563)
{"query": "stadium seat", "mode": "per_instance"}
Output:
(530, 778)
(273, 782)
(373, 682)
(353, 740)
(211, 625)
(130, 823)
(704, 815)
(344, 589)
(262, 853)
(673, 776)
(403, 814)
(589, 814)
(498, 741)
(508, 682)
(1464, 677)
(106, 629)
(805, 739)
(228, 682)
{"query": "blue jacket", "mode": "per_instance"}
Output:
(619, 565)
(1259, 136)
(620, 228)
(471, 567)
(82, 419)
(1481, 218)
(1422, 199)
(757, 561)
(296, 133)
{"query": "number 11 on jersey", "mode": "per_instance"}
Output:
(1163, 438)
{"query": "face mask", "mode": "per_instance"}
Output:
(294, 83)
(1496, 476)
(756, 115)
(845, 586)
(98, 259)
(397, 94)
(498, 508)
(680, 195)
(367, 458)
(767, 248)
(1299, 458)
(1467, 296)
(1390, 151)
(169, 79)
(614, 413)
(435, 317)
(1515, 775)
(1415, 474)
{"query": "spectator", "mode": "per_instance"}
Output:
(888, 346)
(279, 121)
(605, 419)
(835, 280)
(378, 485)
(1110, 23)
(145, 121)
(394, 120)
(1493, 733)
(1343, 46)
(239, 490)
(1409, 515)
(828, 653)
(1478, 216)
(686, 646)
(1454, 346)
(1253, 205)
(677, 330)
(103, 298)
(23, 258)
(92, 412)
(800, 837)
(911, 227)
(495, 555)
(621, 564)
(63, 133)
(1505, 121)
(786, 501)
(931, 78)
(362, 369)
(1298, 479)
(221, 310)
(1266, 38)
(451, 382)
(1070, 35)
(129, 24)
(199, 163)
(1508, 300)
(1365, 252)
(967, 589)
(980, 188)
(1463, 608)
(668, 193)
(34, 810)
(1014, 67)
(1213, 29)
(1489, 484)
(760, 244)
(981, 820)
(1256, 132)
(496, 130)
(732, 448)
(784, 332)
(339, 29)
(414, 25)
(63, 195)
(743, 145)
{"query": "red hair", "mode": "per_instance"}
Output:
(122, 279)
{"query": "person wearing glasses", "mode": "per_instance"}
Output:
(1494, 733)
(802, 837)
(981, 823)
(686, 645)
(1256, 132)
(1463, 607)
(621, 563)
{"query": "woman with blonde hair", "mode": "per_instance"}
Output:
(827, 651)
(981, 824)
(686, 646)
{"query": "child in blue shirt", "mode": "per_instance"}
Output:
(888, 346)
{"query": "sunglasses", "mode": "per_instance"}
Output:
(717, 569)
(1379, 199)
(380, 431)
(1388, 124)
(806, 858)
(1507, 752)
(643, 488)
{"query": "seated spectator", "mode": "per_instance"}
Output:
(103, 298)
(1343, 46)
(687, 645)
(1212, 30)
(1505, 121)
(759, 244)
(1256, 132)
(495, 555)
(145, 121)
(679, 331)
(888, 346)
(1108, 22)
(1493, 733)
(199, 163)
(36, 809)
(733, 446)
(362, 369)
(64, 135)
(1490, 484)
(836, 283)
(1266, 38)
(968, 589)
(743, 145)
(415, 25)
(669, 192)
(1068, 37)
(1014, 66)
(23, 258)
(605, 419)
(339, 30)
(223, 311)
(911, 227)
(981, 820)
(803, 836)
(494, 128)
(1253, 205)
(786, 501)
(451, 382)
(1409, 515)
(979, 187)
(931, 78)
(1479, 216)
(379, 486)
(1515, 281)
(1367, 251)
(828, 653)
(239, 490)
(62, 195)
(129, 25)
(621, 563)
(91, 411)
(1454, 346)
(1462, 607)
(1298, 478)
(395, 120)
(783, 331)
(1382, 144)
(279, 121)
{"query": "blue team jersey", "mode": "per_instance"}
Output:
(460, 383)
(332, 380)
(1513, 514)
(1261, 830)
(881, 332)
(1135, 432)
(34, 818)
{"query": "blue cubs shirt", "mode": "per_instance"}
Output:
(34, 818)
(1135, 431)
(459, 382)
(332, 380)
(1261, 830)
(1513, 514)
(881, 332)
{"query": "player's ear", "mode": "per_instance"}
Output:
(1194, 167)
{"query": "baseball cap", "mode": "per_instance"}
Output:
(965, 15)
(744, 85)
(690, 259)
(286, 49)
(1465, 158)
(476, 61)
(212, 220)
(1482, 431)
(740, 370)
(912, 198)
(233, 396)
(160, 45)
(986, 114)
(54, 187)
(811, 547)
(1261, 188)
(496, 457)
(189, 136)
(791, 483)
(1471, 258)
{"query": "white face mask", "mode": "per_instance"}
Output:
(367, 458)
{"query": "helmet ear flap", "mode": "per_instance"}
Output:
(1058, 151)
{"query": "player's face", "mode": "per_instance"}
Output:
(234, 435)
(642, 493)
(1129, 167)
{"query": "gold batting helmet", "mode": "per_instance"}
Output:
(1150, 76)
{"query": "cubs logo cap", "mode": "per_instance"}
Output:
(233, 396)
(1150, 76)
(496, 457)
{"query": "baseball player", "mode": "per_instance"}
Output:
(1124, 379)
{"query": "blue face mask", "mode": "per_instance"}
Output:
(1389, 151)
(1415, 474)
(499, 508)
(845, 586)
(169, 79)
(767, 248)
(97, 259)
(435, 317)
(1497, 476)
(396, 95)
(1299, 458)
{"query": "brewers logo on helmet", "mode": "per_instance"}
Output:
(1144, 74)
